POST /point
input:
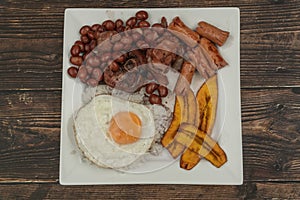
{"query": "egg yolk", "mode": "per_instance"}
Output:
(125, 128)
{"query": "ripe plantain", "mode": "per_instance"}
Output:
(201, 144)
(207, 98)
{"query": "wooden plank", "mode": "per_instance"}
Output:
(30, 64)
(265, 190)
(30, 135)
(31, 41)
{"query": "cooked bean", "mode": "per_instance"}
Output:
(75, 50)
(114, 66)
(162, 91)
(120, 29)
(91, 35)
(82, 73)
(100, 29)
(141, 15)
(126, 40)
(97, 34)
(131, 22)
(105, 57)
(80, 44)
(127, 47)
(92, 82)
(119, 23)
(85, 39)
(151, 87)
(155, 99)
(87, 48)
(89, 69)
(85, 55)
(93, 44)
(73, 71)
(95, 27)
(93, 61)
(108, 25)
(157, 25)
(141, 44)
(76, 60)
(143, 24)
(164, 22)
(97, 74)
(84, 30)
(118, 46)
(136, 36)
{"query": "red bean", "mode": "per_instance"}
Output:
(93, 44)
(162, 91)
(141, 15)
(119, 23)
(136, 36)
(93, 61)
(85, 55)
(105, 57)
(89, 69)
(97, 34)
(108, 25)
(157, 25)
(164, 22)
(87, 48)
(126, 40)
(155, 99)
(131, 22)
(142, 44)
(97, 74)
(75, 50)
(95, 27)
(143, 24)
(72, 71)
(85, 39)
(82, 73)
(76, 60)
(80, 44)
(114, 66)
(91, 35)
(118, 46)
(151, 87)
(92, 82)
(84, 30)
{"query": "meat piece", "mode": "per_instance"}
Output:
(202, 61)
(185, 78)
(111, 78)
(212, 33)
(178, 63)
(213, 52)
(183, 32)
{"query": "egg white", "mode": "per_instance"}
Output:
(90, 128)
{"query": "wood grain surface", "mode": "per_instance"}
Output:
(31, 39)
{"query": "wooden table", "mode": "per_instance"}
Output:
(31, 38)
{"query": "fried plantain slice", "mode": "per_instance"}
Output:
(201, 143)
(177, 118)
(188, 116)
(207, 98)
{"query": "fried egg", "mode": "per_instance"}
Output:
(112, 132)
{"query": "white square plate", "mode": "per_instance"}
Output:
(75, 171)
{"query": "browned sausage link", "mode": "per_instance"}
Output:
(212, 33)
(187, 71)
(185, 78)
(213, 52)
(187, 35)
